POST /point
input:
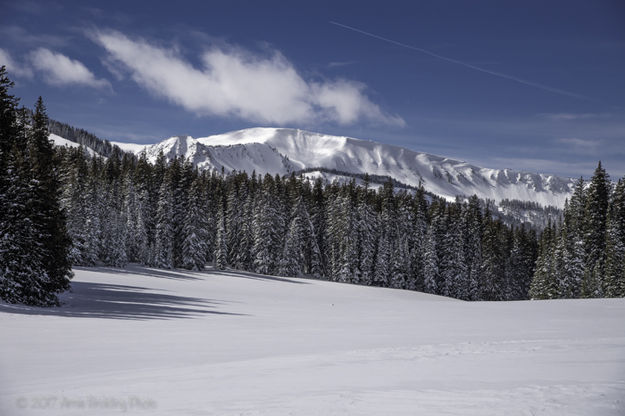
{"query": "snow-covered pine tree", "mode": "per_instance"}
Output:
(572, 272)
(195, 228)
(236, 196)
(521, 264)
(164, 237)
(367, 229)
(472, 225)
(614, 281)
(268, 225)
(543, 284)
(595, 216)
(293, 261)
(221, 245)
(430, 262)
(243, 257)
(181, 176)
(418, 239)
(401, 267)
(23, 278)
(48, 217)
(493, 260)
(453, 268)
(318, 219)
(383, 267)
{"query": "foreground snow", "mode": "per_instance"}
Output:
(147, 341)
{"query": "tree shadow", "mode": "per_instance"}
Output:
(100, 300)
(253, 276)
(144, 271)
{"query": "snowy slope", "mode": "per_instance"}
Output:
(130, 147)
(144, 341)
(281, 151)
(60, 141)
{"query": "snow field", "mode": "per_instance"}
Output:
(146, 341)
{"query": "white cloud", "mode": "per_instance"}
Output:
(61, 70)
(14, 68)
(235, 82)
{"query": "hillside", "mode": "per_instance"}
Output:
(145, 341)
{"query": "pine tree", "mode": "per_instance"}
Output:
(221, 248)
(293, 259)
(243, 257)
(430, 263)
(596, 212)
(472, 225)
(543, 284)
(164, 237)
(195, 229)
(419, 230)
(614, 282)
(366, 238)
(48, 217)
(493, 261)
(23, 278)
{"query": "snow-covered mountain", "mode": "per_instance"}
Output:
(282, 151)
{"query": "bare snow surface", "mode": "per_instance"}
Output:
(154, 342)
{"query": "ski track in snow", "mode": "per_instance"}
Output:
(147, 341)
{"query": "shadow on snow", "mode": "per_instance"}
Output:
(101, 300)
(254, 276)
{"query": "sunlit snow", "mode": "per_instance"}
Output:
(158, 342)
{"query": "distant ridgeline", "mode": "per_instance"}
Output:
(512, 212)
(83, 137)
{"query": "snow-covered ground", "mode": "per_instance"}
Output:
(144, 341)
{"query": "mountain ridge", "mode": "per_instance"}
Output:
(284, 150)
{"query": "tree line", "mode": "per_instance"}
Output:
(584, 255)
(61, 207)
(170, 215)
(34, 244)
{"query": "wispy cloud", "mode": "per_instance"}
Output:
(338, 64)
(575, 116)
(466, 64)
(234, 82)
(13, 67)
(19, 36)
(583, 146)
(60, 70)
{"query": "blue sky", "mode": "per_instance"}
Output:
(532, 85)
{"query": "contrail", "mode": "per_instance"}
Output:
(455, 61)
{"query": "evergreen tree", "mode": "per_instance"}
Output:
(614, 282)
(164, 237)
(293, 259)
(48, 217)
(430, 263)
(596, 212)
(195, 229)
(221, 248)
(543, 284)
(23, 278)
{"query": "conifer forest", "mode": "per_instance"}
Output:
(61, 207)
